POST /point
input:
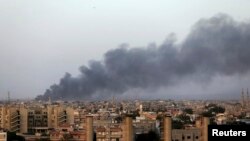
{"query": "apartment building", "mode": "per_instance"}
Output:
(13, 118)
(86, 134)
(199, 133)
(37, 119)
(3, 118)
(110, 134)
(186, 135)
(143, 126)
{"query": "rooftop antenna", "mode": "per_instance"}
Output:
(113, 100)
(243, 98)
(49, 100)
(247, 101)
(8, 97)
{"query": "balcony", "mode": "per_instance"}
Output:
(15, 121)
(15, 128)
(15, 115)
(62, 115)
(62, 120)
(116, 136)
(100, 136)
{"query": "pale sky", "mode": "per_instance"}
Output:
(40, 40)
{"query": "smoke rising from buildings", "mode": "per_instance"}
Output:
(215, 46)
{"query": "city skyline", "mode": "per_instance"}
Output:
(41, 41)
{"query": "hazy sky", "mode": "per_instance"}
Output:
(40, 40)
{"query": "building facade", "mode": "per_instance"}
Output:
(23, 119)
(3, 136)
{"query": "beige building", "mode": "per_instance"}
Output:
(144, 126)
(109, 134)
(128, 129)
(13, 118)
(58, 115)
(21, 119)
(40, 119)
(116, 132)
(3, 117)
(186, 135)
(37, 120)
(3, 136)
(85, 134)
(199, 133)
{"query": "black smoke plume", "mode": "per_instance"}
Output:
(215, 46)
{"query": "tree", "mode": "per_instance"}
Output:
(176, 124)
(67, 137)
(217, 109)
(160, 117)
(207, 114)
(118, 119)
(184, 118)
(150, 136)
(213, 110)
(188, 111)
(134, 114)
(11, 136)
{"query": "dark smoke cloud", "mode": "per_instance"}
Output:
(215, 46)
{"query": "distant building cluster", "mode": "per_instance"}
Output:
(183, 120)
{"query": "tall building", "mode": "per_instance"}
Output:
(3, 117)
(13, 118)
(109, 133)
(200, 133)
(89, 128)
(58, 115)
(247, 99)
(85, 134)
(128, 131)
(23, 119)
(37, 120)
(167, 129)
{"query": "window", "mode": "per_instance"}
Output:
(188, 137)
